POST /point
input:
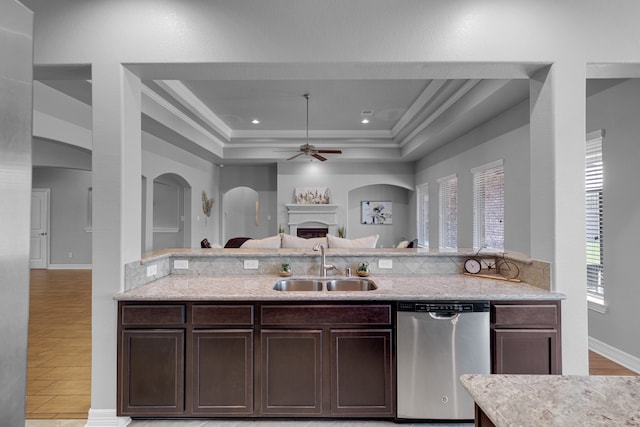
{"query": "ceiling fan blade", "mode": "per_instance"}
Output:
(319, 157)
(297, 155)
(330, 151)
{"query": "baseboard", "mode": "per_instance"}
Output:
(620, 357)
(106, 418)
(70, 267)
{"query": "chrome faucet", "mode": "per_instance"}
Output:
(323, 263)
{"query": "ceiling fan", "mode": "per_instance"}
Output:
(308, 149)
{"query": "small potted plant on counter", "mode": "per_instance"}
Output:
(363, 269)
(285, 269)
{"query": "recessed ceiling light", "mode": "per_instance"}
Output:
(255, 121)
(365, 121)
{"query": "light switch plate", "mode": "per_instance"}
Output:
(250, 264)
(385, 263)
(181, 264)
(151, 270)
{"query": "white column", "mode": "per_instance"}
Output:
(558, 101)
(117, 230)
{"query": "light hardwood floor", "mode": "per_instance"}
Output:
(59, 364)
(59, 357)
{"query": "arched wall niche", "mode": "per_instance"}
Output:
(390, 234)
(170, 212)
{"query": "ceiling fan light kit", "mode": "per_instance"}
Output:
(307, 149)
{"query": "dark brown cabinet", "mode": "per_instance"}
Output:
(361, 372)
(151, 360)
(525, 337)
(327, 360)
(291, 372)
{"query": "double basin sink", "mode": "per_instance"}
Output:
(340, 285)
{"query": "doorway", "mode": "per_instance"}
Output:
(39, 246)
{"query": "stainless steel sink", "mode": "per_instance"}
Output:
(351, 285)
(298, 285)
(341, 285)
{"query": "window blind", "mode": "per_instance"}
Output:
(423, 214)
(594, 181)
(488, 206)
(448, 193)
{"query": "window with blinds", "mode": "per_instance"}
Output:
(448, 193)
(594, 214)
(423, 215)
(488, 206)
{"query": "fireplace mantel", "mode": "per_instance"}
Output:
(309, 215)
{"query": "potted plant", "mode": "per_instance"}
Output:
(363, 269)
(285, 269)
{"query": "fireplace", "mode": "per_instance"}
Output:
(321, 219)
(310, 233)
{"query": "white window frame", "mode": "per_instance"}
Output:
(448, 192)
(488, 218)
(422, 191)
(594, 187)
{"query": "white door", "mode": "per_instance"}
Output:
(39, 253)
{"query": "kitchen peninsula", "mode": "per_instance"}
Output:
(207, 335)
(554, 400)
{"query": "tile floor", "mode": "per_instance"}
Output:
(244, 423)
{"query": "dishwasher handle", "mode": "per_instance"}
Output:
(443, 316)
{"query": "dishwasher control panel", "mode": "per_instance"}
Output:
(443, 306)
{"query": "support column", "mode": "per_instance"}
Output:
(16, 87)
(558, 105)
(117, 230)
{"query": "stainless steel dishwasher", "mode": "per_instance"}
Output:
(436, 343)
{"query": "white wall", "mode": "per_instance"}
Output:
(616, 111)
(505, 137)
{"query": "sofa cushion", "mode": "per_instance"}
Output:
(289, 241)
(272, 242)
(362, 242)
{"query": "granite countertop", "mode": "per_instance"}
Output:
(554, 400)
(260, 288)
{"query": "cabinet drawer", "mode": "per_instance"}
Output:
(148, 315)
(526, 315)
(326, 314)
(223, 315)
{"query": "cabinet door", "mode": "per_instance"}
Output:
(152, 372)
(526, 351)
(361, 372)
(222, 372)
(291, 372)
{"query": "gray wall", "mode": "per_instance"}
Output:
(341, 179)
(69, 237)
(505, 137)
(236, 181)
(390, 234)
(16, 74)
(616, 111)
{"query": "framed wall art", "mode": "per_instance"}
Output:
(377, 212)
(312, 196)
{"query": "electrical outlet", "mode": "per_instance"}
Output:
(385, 263)
(151, 270)
(70, 254)
(181, 264)
(250, 264)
